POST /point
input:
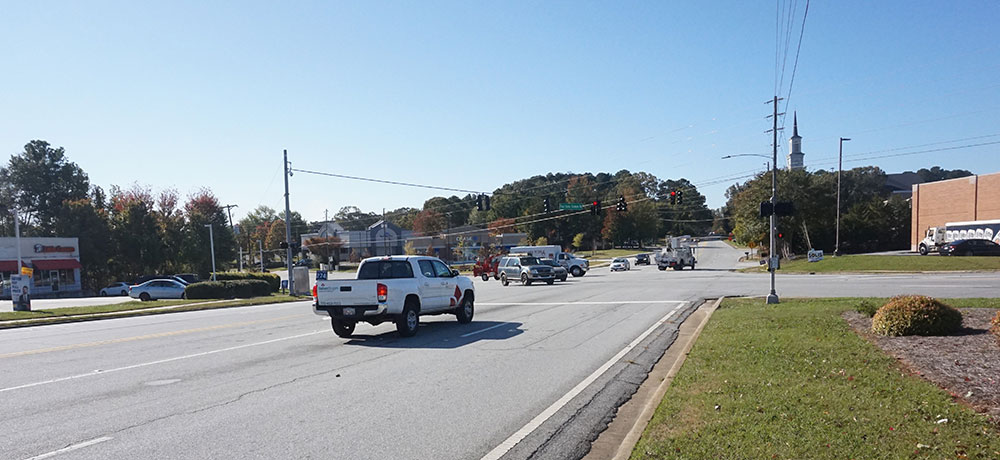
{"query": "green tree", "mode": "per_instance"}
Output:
(203, 209)
(429, 222)
(352, 219)
(37, 182)
(90, 224)
(138, 245)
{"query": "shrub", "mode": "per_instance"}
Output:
(866, 307)
(916, 315)
(995, 326)
(228, 289)
(272, 279)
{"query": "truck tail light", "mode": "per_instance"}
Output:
(314, 292)
(383, 292)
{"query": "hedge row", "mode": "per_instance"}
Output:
(229, 289)
(273, 280)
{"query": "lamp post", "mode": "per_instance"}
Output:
(211, 242)
(260, 245)
(773, 296)
(840, 168)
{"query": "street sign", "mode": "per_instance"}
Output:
(571, 206)
(815, 255)
(27, 271)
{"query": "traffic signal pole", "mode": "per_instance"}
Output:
(288, 229)
(773, 296)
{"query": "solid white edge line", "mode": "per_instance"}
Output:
(583, 302)
(509, 443)
(72, 448)
(161, 361)
(484, 330)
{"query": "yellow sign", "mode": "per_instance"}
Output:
(27, 271)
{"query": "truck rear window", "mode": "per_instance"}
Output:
(385, 269)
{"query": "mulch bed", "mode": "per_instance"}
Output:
(967, 363)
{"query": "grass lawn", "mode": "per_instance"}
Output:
(793, 381)
(138, 305)
(866, 263)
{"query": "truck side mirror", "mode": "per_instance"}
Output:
(454, 272)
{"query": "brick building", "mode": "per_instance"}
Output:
(955, 200)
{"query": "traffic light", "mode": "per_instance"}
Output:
(622, 205)
(486, 202)
(680, 196)
(545, 206)
(673, 197)
(595, 207)
(283, 245)
(479, 202)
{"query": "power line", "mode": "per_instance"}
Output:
(383, 181)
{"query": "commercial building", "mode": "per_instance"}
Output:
(55, 262)
(955, 200)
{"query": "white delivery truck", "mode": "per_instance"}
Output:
(395, 288)
(676, 254)
(575, 265)
(935, 237)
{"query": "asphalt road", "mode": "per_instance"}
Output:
(534, 375)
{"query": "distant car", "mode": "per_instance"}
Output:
(558, 270)
(642, 259)
(974, 247)
(119, 288)
(158, 289)
(178, 278)
(187, 277)
(525, 268)
(304, 263)
(620, 263)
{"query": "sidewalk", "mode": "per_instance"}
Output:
(49, 304)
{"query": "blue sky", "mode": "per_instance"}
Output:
(474, 95)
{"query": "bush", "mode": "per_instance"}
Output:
(995, 326)
(866, 307)
(272, 279)
(228, 289)
(916, 315)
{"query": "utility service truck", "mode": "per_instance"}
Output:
(935, 237)
(575, 265)
(677, 254)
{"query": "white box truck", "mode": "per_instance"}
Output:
(935, 237)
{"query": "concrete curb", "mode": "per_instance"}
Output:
(621, 436)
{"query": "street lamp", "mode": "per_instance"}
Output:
(260, 245)
(840, 168)
(211, 242)
(773, 296)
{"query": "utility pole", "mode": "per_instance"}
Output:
(773, 296)
(385, 244)
(17, 242)
(288, 228)
(260, 245)
(840, 168)
(211, 242)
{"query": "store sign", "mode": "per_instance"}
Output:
(815, 255)
(27, 271)
(41, 249)
(20, 292)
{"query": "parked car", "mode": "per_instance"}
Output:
(178, 278)
(642, 259)
(119, 288)
(304, 263)
(188, 277)
(399, 289)
(158, 289)
(972, 247)
(620, 264)
(559, 271)
(527, 269)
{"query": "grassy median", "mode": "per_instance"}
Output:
(135, 307)
(868, 263)
(794, 381)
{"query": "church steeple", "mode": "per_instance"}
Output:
(795, 124)
(795, 155)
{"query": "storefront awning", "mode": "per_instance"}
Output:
(55, 264)
(10, 266)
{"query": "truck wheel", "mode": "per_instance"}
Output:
(524, 279)
(576, 272)
(503, 279)
(550, 281)
(692, 265)
(343, 328)
(486, 277)
(662, 268)
(144, 297)
(465, 311)
(923, 249)
(408, 321)
(678, 267)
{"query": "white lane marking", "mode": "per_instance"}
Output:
(536, 422)
(152, 363)
(584, 302)
(71, 448)
(484, 330)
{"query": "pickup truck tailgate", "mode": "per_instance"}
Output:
(346, 292)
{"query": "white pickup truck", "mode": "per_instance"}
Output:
(397, 289)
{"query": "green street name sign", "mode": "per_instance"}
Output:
(570, 206)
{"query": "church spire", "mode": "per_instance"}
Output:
(795, 124)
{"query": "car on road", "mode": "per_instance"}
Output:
(642, 259)
(527, 269)
(559, 271)
(620, 264)
(158, 289)
(119, 288)
(970, 247)
(399, 289)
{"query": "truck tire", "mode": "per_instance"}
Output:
(678, 267)
(408, 321)
(692, 265)
(486, 277)
(576, 272)
(503, 279)
(343, 328)
(550, 281)
(465, 311)
(923, 249)
(524, 279)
